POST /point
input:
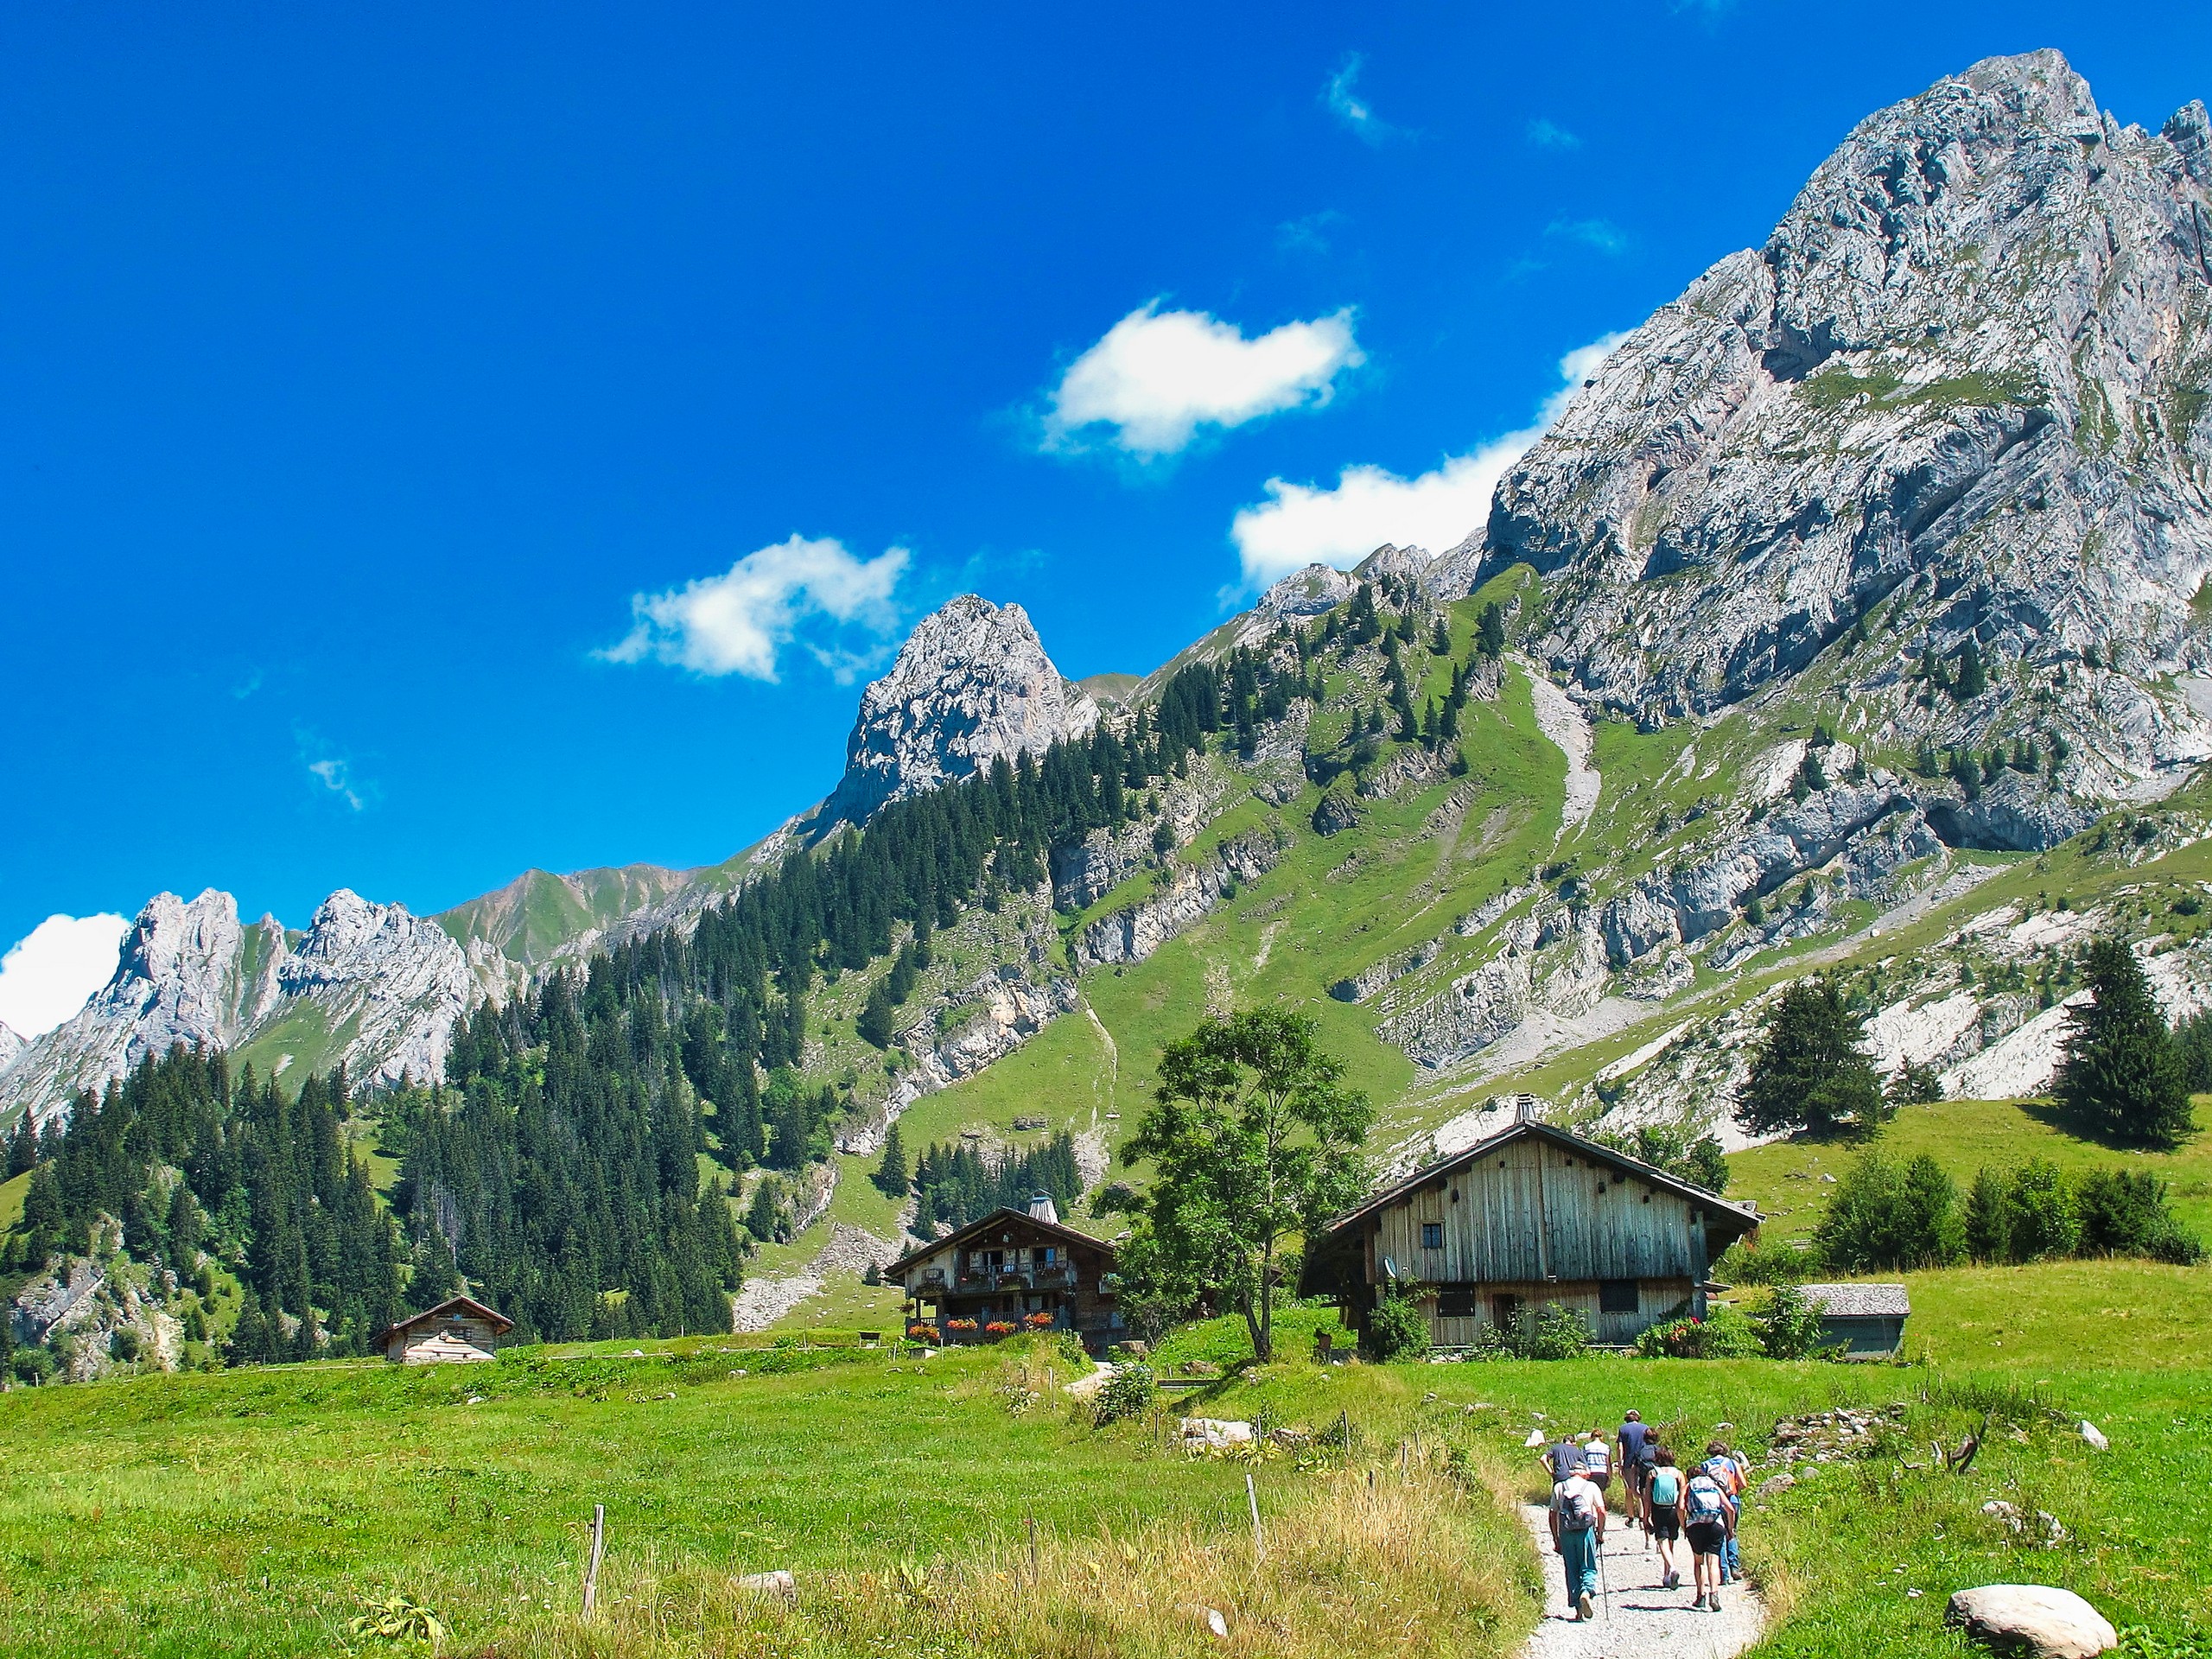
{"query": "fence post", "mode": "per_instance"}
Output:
(598, 1549)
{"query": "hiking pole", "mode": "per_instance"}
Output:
(1605, 1585)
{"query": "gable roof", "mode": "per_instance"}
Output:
(452, 1307)
(1742, 1217)
(999, 1217)
(1862, 1301)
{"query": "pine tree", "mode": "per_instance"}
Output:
(1490, 632)
(1809, 1071)
(891, 1175)
(874, 1022)
(1973, 679)
(2119, 1077)
(1439, 639)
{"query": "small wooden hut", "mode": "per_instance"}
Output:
(1865, 1321)
(457, 1331)
(1531, 1216)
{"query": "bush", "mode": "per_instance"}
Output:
(1744, 1263)
(2044, 1222)
(2125, 1213)
(1398, 1328)
(1725, 1333)
(1551, 1332)
(1884, 1218)
(1129, 1390)
(1789, 1326)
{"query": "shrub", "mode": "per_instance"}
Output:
(1724, 1333)
(1884, 1218)
(1398, 1328)
(1129, 1390)
(1790, 1326)
(2044, 1222)
(1744, 1263)
(2124, 1212)
(1551, 1332)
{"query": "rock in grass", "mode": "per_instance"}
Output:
(1776, 1486)
(2033, 1620)
(778, 1583)
(2094, 1436)
(1214, 1431)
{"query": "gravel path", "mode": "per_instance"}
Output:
(1644, 1619)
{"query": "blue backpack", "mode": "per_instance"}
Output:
(1706, 1502)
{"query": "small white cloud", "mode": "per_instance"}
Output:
(336, 775)
(1340, 95)
(737, 622)
(1549, 135)
(1158, 375)
(1309, 234)
(54, 969)
(1303, 523)
(1601, 234)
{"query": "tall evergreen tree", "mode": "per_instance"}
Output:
(892, 1175)
(1809, 1071)
(2119, 1077)
(1490, 632)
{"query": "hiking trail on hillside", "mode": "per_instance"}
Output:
(1644, 1621)
(1559, 719)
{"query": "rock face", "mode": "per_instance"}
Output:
(12, 1046)
(369, 983)
(1958, 394)
(2033, 1620)
(972, 685)
(1187, 893)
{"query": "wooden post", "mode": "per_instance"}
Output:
(1036, 1576)
(598, 1549)
(1259, 1539)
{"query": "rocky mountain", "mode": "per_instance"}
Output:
(11, 1045)
(366, 982)
(972, 685)
(1958, 396)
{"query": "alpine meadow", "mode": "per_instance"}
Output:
(1639, 1063)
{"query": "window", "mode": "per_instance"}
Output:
(1618, 1296)
(1455, 1301)
(1431, 1235)
(1502, 1310)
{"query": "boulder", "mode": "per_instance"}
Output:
(2033, 1620)
(1214, 1432)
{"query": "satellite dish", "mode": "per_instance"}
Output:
(1389, 1268)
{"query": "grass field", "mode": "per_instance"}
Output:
(250, 1512)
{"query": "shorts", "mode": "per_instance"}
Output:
(1706, 1537)
(1667, 1524)
(1601, 1478)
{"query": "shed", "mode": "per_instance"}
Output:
(1533, 1215)
(1866, 1321)
(1011, 1270)
(458, 1330)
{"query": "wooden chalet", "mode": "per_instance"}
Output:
(1534, 1215)
(1013, 1270)
(457, 1331)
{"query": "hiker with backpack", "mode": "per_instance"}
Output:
(1577, 1518)
(1728, 1474)
(1662, 1511)
(1636, 1445)
(1597, 1462)
(1708, 1522)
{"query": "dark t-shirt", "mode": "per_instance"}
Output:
(1565, 1458)
(1636, 1443)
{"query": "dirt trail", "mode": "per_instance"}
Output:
(1643, 1619)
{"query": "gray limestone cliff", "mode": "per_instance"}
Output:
(1959, 394)
(972, 685)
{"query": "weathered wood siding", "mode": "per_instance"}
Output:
(444, 1342)
(1534, 1221)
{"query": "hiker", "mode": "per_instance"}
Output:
(1563, 1457)
(1597, 1462)
(1662, 1511)
(1729, 1476)
(1740, 1468)
(1577, 1518)
(1709, 1519)
(1635, 1447)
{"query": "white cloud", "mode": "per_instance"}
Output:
(1158, 375)
(1549, 135)
(740, 621)
(53, 971)
(336, 775)
(1341, 96)
(1303, 523)
(1604, 235)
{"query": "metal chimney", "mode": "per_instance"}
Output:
(1041, 1208)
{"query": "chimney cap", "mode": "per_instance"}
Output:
(1041, 1208)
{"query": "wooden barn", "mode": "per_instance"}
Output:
(456, 1331)
(1013, 1270)
(1865, 1321)
(1531, 1215)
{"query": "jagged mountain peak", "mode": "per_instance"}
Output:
(971, 685)
(1960, 392)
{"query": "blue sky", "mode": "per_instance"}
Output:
(378, 386)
